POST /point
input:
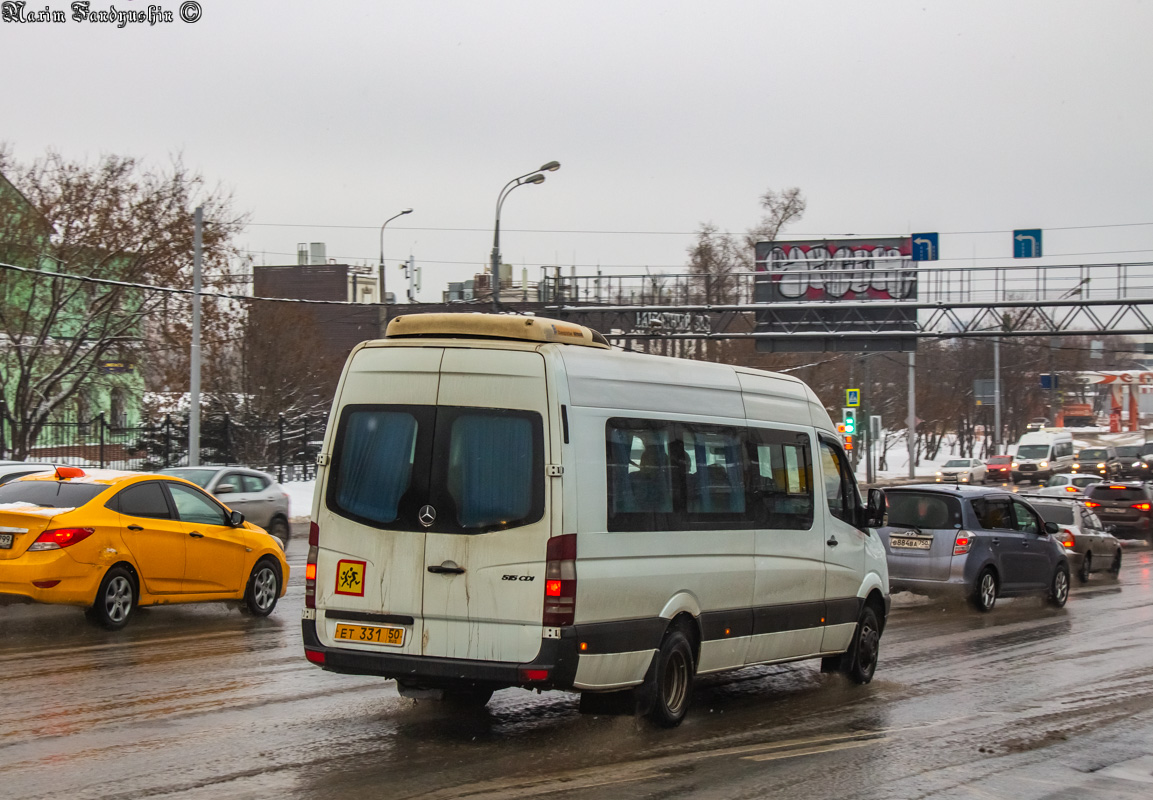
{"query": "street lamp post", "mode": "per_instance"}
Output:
(390, 219)
(536, 176)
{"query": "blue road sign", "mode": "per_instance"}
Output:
(925, 247)
(1027, 243)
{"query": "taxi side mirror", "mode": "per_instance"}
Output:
(236, 519)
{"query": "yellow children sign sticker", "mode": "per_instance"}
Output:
(350, 577)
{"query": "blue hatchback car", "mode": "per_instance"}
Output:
(981, 543)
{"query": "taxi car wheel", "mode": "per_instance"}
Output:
(1115, 567)
(985, 590)
(279, 528)
(1086, 568)
(115, 599)
(263, 589)
(669, 686)
(1059, 586)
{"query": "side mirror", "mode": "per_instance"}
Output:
(226, 488)
(1051, 527)
(876, 510)
(236, 519)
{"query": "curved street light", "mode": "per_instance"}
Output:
(534, 177)
(390, 219)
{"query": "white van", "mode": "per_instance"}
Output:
(1041, 455)
(506, 501)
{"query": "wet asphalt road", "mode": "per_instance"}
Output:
(204, 702)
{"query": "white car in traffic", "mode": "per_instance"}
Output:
(962, 470)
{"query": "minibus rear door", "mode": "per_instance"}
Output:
(488, 514)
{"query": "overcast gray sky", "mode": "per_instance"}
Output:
(892, 117)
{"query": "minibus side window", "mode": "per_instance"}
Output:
(840, 485)
(714, 474)
(640, 475)
(782, 479)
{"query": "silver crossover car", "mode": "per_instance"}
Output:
(254, 494)
(982, 543)
(1091, 548)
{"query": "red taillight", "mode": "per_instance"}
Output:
(61, 537)
(1070, 488)
(1091, 504)
(315, 656)
(533, 675)
(560, 582)
(1067, 539)
(962, 543)
(1141, 506)
(310, 573)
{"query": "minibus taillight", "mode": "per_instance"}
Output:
(962, 543)
(560, 581)
(310, 566)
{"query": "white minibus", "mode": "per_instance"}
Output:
(507, 501)
(1042, 454)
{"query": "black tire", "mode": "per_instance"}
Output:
(467, 698)
(263, 588)
(861, 661)
(1115, 567)
(985, 590)
(669, 686)
(1059, 586)
(115, 599)
(1086, 568)
(279, 528)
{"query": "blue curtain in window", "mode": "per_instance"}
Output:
(735, 475)
(620, 443)
(490, 469)
(376, 463)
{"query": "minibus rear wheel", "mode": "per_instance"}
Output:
(669, 685)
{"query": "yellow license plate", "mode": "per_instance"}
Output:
(370, 634)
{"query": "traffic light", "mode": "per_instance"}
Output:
(849, 420)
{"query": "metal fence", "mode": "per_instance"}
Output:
(285, 447)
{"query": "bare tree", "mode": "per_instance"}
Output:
(719, 258)
(73, 224)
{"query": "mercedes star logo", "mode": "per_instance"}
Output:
(427, 516)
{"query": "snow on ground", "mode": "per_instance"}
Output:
(299, 499)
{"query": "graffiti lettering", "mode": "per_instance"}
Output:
(669, 322)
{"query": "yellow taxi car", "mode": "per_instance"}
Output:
(112, 541)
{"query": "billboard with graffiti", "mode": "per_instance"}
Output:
(830, 273)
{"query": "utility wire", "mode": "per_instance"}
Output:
(670, 233)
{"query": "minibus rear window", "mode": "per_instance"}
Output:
(377, 449)
(490, 468)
